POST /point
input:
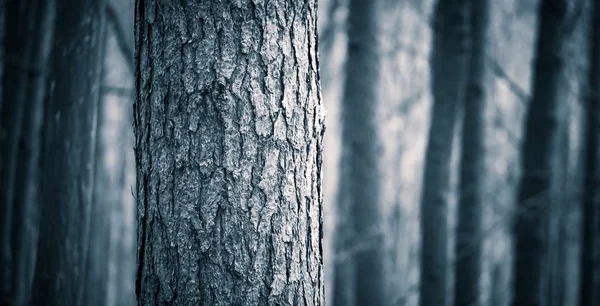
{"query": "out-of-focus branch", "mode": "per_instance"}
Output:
(126, 47)
(512, 85)
(119, 91)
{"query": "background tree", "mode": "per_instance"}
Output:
(590, 253)
(449, 71)
(469, 232)
(68, 154)
(228, 134)
(359, 276)
(539, 151)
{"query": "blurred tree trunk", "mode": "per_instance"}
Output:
(20, 23)
(539, 151)
(449, 71)
(590, 253)
(68, 155)
(469, 240)
(25, 91)
(359, 278)
(228, 126)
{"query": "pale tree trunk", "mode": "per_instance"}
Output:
(228, 126)
(68, 155)
(359, 274)
(469, 240)
(539, 150)
(590, 252)
(448, 72)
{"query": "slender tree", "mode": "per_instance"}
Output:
(68, 154)
(539, 150)
(30, 28)
(590, 253)
(228, 127)
(359, 278)
(449, 71)
(469, 242)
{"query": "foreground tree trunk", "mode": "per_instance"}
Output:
(228, 125)
(68, 155)
(469, 240)
(359, 278)
(590, 253)
(539, 151)
(449, 71)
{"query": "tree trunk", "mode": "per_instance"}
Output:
(539, 150)
(26, 213)
(449, 71)
(469, 233)
(20, 23)
(590, 253)
(228, 125)
(68, 154)
(28, 48)
(359, 278)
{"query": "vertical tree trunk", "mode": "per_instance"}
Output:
(448, 73)
(590, 253)
(539, 150)
(68, 155)
(228, 125)
(26, 214)
(469, 240)
(20, 24)
(28, 47)
(360, 279)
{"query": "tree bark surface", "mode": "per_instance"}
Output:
(228, 127)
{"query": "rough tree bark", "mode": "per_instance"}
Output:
(448, 73)
(469, 242)
(359, 277)
(68, 154)
(539, 150)
(228, 126)
(590, 253)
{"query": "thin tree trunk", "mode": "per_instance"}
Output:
(449, 71)
(228, 125)
(363, 281)
(469, 242)
(26, 220)
(20, 24)
(590, 253)
(539, 150)
(68, 155)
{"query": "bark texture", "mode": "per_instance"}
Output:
(539, 151)
(590, 253)
(228, 127)
(359, 276)
(68, 155)
(469, 233)
(448, 75)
